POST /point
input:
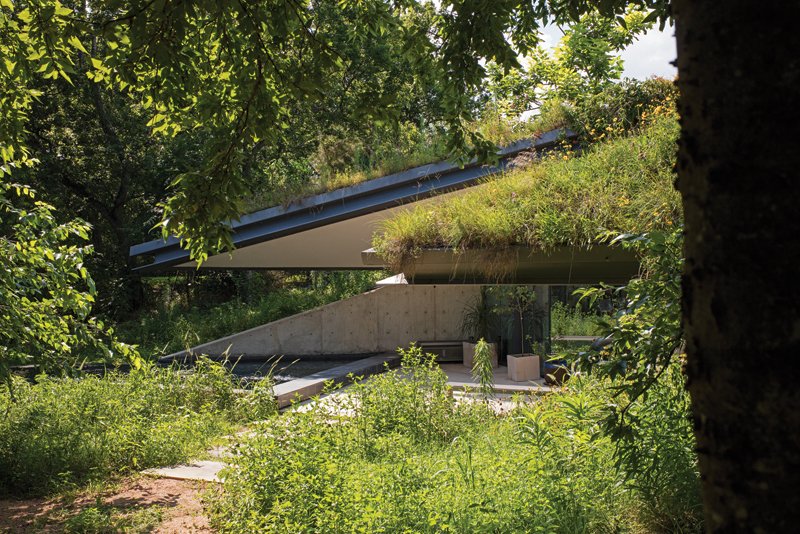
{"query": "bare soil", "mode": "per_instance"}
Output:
(180, 503)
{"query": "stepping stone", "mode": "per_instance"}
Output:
(200, 470)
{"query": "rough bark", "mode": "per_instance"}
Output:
(738, 170)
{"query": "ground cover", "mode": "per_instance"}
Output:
(341, 163)
(58, 434)
(402, 456)
(176, 321)
(621, 184)
(137, 505)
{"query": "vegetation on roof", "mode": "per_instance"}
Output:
(621, 183)
(340, 163)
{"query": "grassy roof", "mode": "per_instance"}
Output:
(340, 163)
(622, 184)
(410, 149)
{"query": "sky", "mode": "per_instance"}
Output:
(650, 55)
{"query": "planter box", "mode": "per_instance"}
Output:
(523, 367)
(469, 354)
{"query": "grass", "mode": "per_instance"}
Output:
(173, 324)
(57, 434)
(403, 456)
(341, 163)
(105, 518)
(623, 184)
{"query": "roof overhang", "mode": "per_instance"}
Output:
(612, 265)
(329, 231)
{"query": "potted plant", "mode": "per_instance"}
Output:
(476, 323)
(525, 366)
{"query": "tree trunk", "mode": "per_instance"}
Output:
(738, 170)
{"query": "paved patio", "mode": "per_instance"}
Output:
(459, 377)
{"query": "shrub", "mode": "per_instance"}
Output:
(61, 432)
(384, 457)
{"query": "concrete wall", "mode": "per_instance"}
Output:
(380, 320)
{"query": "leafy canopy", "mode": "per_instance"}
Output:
(233, 68)
(45, 315)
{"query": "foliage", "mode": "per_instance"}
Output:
(415, 398)
(622, 108)
(46, 315)
(482, 368)
(236, 69)
(582, 65)
(342, 466)
(477, 319)
(177, 321)
(622, 185)
(62, 432)
(566, 321)
(647, 333)
(96, 159)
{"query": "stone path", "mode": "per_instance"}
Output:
(200, 470)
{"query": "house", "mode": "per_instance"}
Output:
(334, 231)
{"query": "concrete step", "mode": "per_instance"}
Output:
(200, 470)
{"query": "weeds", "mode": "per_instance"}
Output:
(64, 432)
(399, 455)
(624, 185)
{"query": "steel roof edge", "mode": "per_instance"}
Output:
(169, 252)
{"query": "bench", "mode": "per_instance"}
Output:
(450, 351)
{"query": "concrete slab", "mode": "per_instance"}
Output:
(200, 470)
(459, 377)
(312, 385)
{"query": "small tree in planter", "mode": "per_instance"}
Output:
(476, 323)
(519, 299)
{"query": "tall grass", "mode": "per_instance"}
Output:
(340, 163)
(622, 185)
(402, 456)
(170, 328)
(58, 433)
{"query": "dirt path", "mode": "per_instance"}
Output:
(154, 505)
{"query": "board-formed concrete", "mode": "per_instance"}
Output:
(379, 321)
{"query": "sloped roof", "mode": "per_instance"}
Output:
(330, 231)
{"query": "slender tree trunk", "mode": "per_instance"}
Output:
(739, 174)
